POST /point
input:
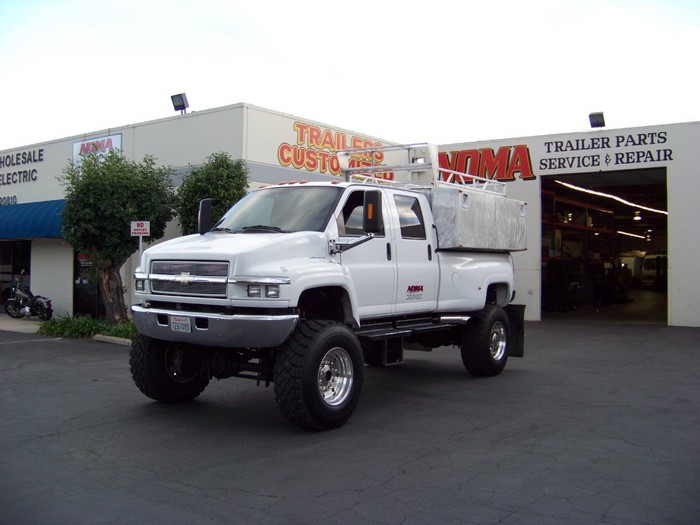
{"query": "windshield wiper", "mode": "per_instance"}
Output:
(220, 229)
(263, 228)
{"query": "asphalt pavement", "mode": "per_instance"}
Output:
(598, 423)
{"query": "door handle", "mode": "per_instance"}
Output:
(388, 251)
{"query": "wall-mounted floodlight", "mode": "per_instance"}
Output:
(180, 102)
(597, 120)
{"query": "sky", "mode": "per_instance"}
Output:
(440, 71)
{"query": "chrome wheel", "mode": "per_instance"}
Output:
(497, 340)
(335, 376)
(484, 342)
(318, 374)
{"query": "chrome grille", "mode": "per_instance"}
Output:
(208, 268)
(189, 278)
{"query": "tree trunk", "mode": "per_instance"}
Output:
(112, 290)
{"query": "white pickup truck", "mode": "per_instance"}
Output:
(301, 285)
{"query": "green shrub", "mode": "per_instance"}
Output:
(125, 330)
(83, 326)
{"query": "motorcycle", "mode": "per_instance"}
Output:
(23, 303)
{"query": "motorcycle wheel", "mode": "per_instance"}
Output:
(13, 309)
(43, 313)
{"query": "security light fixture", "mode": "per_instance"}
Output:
(180, 102)
(597, 120)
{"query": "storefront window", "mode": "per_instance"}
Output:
(15, 256)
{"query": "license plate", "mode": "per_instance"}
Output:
(180, 324)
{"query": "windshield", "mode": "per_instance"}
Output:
(282, 209)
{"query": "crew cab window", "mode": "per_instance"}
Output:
(410, 217)
(350, 221)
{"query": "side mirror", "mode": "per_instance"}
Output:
(372, 213)
(204, 216)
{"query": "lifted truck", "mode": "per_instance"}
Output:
(301, 285)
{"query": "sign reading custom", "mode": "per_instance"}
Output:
(314, 150)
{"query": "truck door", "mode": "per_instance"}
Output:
(370, 265)
(418, 272)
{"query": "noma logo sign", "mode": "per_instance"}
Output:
(99, 146)
(96, 146)
(504, 165)
(414, 288)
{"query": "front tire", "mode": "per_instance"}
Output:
(12, 308)
(318, 375)
(165, 371)
(485, 341)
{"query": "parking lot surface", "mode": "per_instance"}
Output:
(599, 423)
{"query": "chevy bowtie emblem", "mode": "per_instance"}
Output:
(185, 278)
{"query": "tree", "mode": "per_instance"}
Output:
(104, 193)
(219, 178)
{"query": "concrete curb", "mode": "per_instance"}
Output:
(111, 339)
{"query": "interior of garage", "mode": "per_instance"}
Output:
(604, 246)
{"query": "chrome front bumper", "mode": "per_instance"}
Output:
(226, 331)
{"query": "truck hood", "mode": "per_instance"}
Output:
(232, 247)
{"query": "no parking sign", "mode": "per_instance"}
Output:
(140, 229)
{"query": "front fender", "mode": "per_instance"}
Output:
(322, 275)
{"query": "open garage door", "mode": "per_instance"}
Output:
(604, 246)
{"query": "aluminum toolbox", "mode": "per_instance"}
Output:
(470, 219)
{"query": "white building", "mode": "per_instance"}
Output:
(575, 237)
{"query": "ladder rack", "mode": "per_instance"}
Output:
(418, 161)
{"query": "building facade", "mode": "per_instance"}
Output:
(581, 235)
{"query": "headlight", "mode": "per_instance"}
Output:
(272, 291)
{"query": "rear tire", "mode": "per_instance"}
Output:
(165, 371)
(43, 313)
(319, 374)
(12, 308)
(485, 341)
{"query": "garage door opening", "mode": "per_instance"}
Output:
(604, 246)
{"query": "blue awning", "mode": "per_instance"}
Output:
(31, 220)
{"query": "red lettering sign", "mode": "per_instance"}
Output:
(502, 165)
(315, 150)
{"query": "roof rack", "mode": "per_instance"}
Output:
(408, 165)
